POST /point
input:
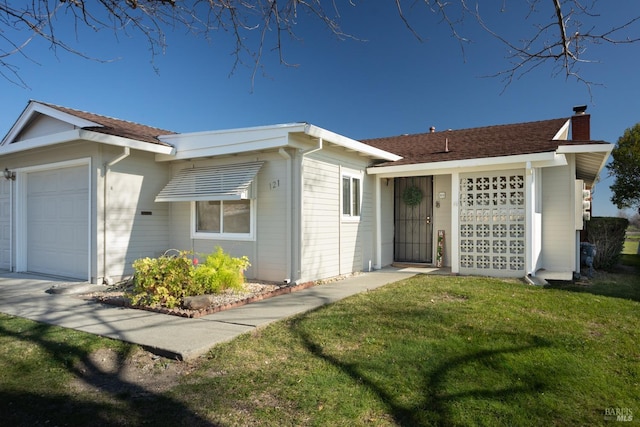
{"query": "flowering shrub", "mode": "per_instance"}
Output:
(166, 280)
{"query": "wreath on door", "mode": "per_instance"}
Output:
(412, 196)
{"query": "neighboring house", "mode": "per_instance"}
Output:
(86, 195)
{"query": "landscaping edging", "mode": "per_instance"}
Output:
(123, 301)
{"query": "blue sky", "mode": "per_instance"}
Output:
(387, 83)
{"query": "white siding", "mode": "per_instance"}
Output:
(136, 226)
(333, 245)
(558, 231)
(42, 126)
(320, 220)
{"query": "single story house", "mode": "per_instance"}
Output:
(84, 195)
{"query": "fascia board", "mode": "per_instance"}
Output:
(539, 160)
(36, 107)
(587, 148)
(119, 141)
(349, 144)
(232, 141)
(84, 135)
(206, 139)
(232, 147)
(41, 141)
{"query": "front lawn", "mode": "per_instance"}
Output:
(431, 350)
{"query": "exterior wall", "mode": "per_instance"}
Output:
(558, 230)
(42, 126)
(136, 226)
(267, 251)
(321, 223)
(386, 221)
(332, 244)
(442, 215)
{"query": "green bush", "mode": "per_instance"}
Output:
(166, 280)
(608, 234)
(220, 271)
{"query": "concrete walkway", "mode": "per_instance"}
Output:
(25, 296)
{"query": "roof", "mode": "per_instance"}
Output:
(483, 142)
(115, 127)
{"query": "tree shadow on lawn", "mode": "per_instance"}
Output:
(435, 408)
(114, 402)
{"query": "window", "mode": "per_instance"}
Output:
(223, 219)
(351, 196)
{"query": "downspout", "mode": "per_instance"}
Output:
(289, 214)
(529, 267)
(107, 166)
(303, 153)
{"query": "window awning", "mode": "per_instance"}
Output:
(228, 182)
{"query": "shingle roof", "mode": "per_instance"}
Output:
(491, 141)
(116, 127)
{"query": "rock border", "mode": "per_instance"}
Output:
(123, 301)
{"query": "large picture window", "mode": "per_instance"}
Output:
(351, 190)
(223, 219)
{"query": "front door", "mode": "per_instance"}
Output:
(413, 210)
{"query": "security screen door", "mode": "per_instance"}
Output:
(413, 210)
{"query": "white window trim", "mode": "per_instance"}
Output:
(251, 236)
(351, 175)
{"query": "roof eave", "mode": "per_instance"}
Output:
(195, 145)
(350, 144)
(538, 160)
(83, 135)
(35, 107)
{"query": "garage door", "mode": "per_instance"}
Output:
(58, 222)
(5, 224)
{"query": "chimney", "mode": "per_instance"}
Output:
(432, 129)
(580, 124)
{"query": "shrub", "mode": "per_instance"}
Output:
(166, 280)
(219, 272)
(608, 234)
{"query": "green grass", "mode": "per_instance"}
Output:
(430, 350)
(631, 244)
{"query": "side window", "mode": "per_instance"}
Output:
(351, 195)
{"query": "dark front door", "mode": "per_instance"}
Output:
(413, 209)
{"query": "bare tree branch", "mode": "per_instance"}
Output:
(562, 39)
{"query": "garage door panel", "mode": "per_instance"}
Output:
(58, 222)
(5, 215)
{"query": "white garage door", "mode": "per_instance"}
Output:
(5, 224)
(58, 222)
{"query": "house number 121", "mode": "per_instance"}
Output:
(274, 184)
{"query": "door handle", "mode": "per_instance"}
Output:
(428, 220)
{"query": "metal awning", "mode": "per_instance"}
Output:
(227, 182)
